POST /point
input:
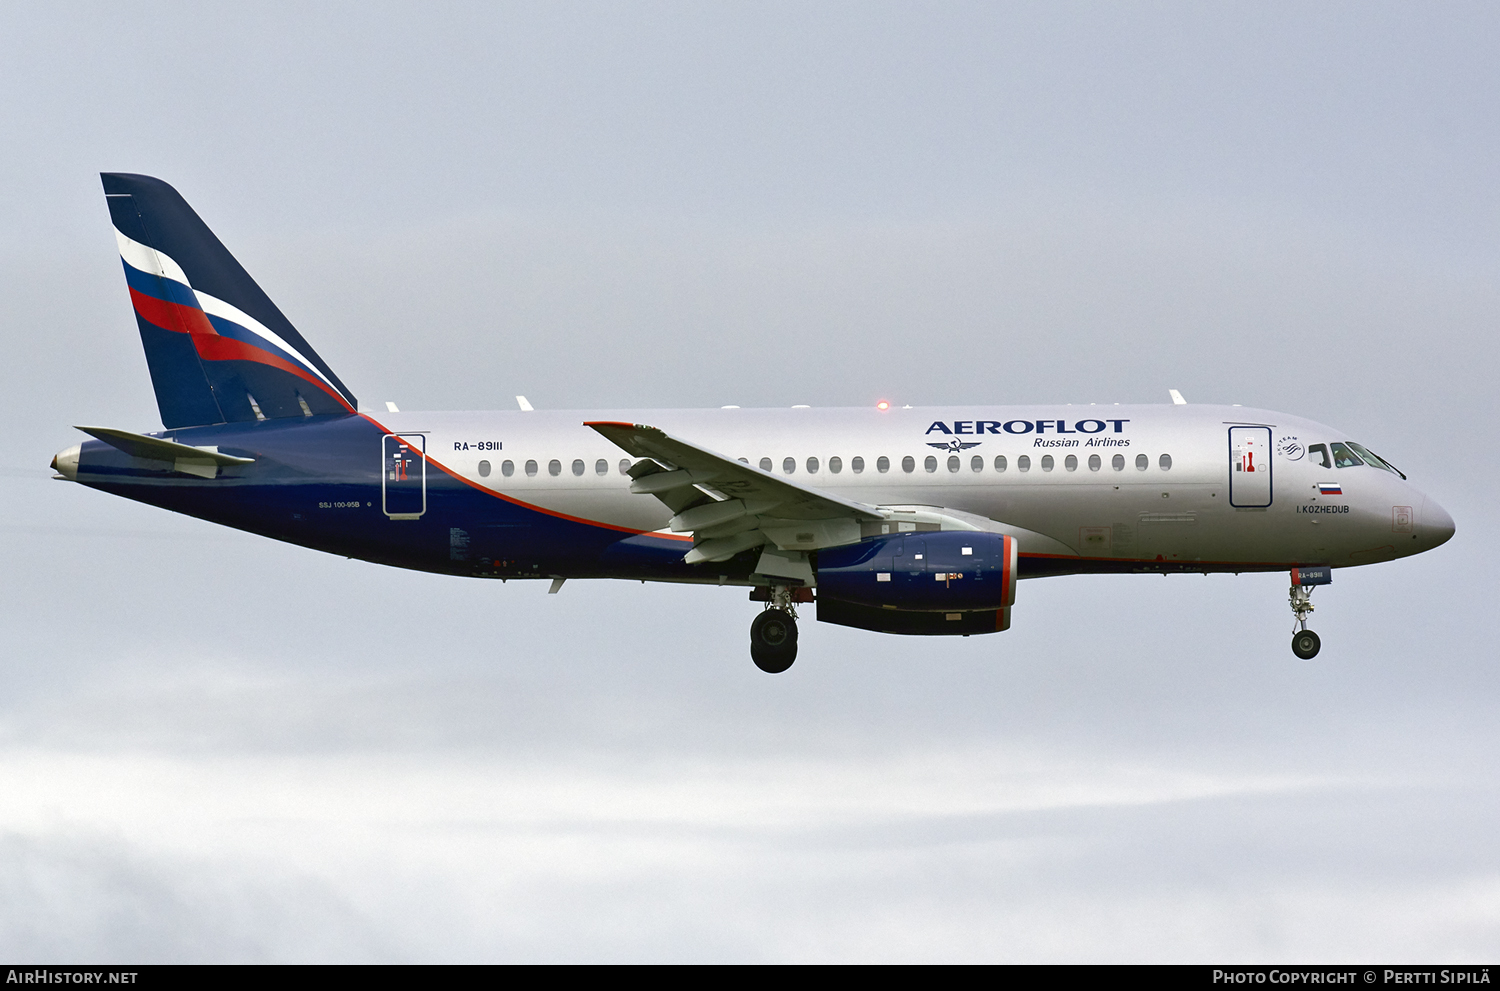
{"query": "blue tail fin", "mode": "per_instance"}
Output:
(219, 350)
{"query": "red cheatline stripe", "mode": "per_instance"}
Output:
(211, 344)
(218, 348)
(171, 316)
(532, 506)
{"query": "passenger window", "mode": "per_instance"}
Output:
(484, 469)
(1142, 462)
(507, 468)
(1094, 462)
(976, 463)
(1343, 457)
(624, 466)
(1117, 462)
(953, 462)
(999, 462)
(578, 468)
(835, 465)
(1165, 461)
(929, 463)
(789, 465)
(1319, 453)
(554, 467)
(1023, 463)
(882, 464)
(857, 465)
(601, 467)
(908, 464)
(812, 466)
(1071, 462)
(765, 464)
(1047, 462)
(531, 469)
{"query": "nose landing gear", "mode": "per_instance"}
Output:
(1305, 643)
(773, 634)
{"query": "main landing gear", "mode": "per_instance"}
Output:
(773, 634)
(1305, 643)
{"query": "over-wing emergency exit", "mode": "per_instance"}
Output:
(907, 521)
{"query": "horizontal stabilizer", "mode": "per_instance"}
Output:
(142, 446)
(204, 462)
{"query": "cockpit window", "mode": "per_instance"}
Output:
(1343, 457)
(1371, 458)
(1318, 454)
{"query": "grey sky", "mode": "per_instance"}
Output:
(215, 747)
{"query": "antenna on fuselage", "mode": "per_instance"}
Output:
(1177, 399)
(525, 406)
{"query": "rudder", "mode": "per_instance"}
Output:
(218, 349)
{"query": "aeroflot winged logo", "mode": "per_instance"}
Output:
(954, 445)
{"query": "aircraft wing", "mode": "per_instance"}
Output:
(730, 506)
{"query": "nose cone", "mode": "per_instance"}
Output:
(66, 463)
(1437, 525)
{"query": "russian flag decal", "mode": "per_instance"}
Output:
(1330, 488)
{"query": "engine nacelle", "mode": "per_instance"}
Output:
(949, 571)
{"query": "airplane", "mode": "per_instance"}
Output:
(888, 519)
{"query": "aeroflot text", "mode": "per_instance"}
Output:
(1025, 426)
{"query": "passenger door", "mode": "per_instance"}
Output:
(403, 476)
(1249, 467)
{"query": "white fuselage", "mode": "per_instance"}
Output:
(1110, 485)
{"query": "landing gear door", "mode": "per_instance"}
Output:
(1249, 467)
(403, 476)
